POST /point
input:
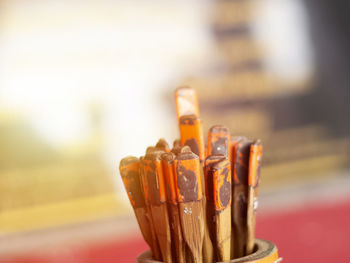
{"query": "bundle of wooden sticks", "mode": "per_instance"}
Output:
(195, 203)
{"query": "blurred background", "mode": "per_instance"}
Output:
(85, 83)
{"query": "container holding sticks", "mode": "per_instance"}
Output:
(265, 252)
(197, 203)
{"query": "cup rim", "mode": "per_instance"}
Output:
(263, 249)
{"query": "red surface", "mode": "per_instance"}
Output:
(317, 234)
(310, 234)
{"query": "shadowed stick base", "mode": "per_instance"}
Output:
(265, 252)
(192, 222)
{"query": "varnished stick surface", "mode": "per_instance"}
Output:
(163, 145)
(253, 183)
(218, 141)
(156, 187)
(130, 172)
(155, 245)
(191, 134)
(189, 195)
(168, 162)
(232, 153)
(222, 204)
(240, 195)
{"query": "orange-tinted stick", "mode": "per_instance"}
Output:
(188, 181)
(253, 182)
(240, 195)
(154, 173)
(222, 204)
(130, 172)
(218, 141)
(191, 134)
(233, 147)
(144, 182)
(210, 161)
(189, 196)
(169, 176)
(255, 159)
(163, 145)
(176, 143)
(186, 102)
(168, 162)
(222, 184)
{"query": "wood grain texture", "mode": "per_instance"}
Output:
(223, 234)
(154, 242)
(240, 219)
(208, 249)
(240, 195)
(176, 234)
(251, 221)
(255, 159)
(153, 170)
(162, 229)
(222, 200)
(131, 175)
(233, 148)
(178, 245)
(144, 224)
(192, 223)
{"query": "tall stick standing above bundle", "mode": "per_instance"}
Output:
(253, 183)
(191, 134)
(189, 194)
(186, 102)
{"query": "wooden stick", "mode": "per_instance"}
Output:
(156, 188)
(253, 183)
(218, 144)
(181, 149)
(186, 102)
(208, 250)
(232, 153)
(191, 134)
(179, 250)
(176, 143)
(130, 172)
(218, 141)
(222, 204)
(151, 149)
(154, 242)
(189, 196)
(163, 145)
(209, 193)
(240, 195)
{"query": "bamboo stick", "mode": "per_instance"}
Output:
(253, 183)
